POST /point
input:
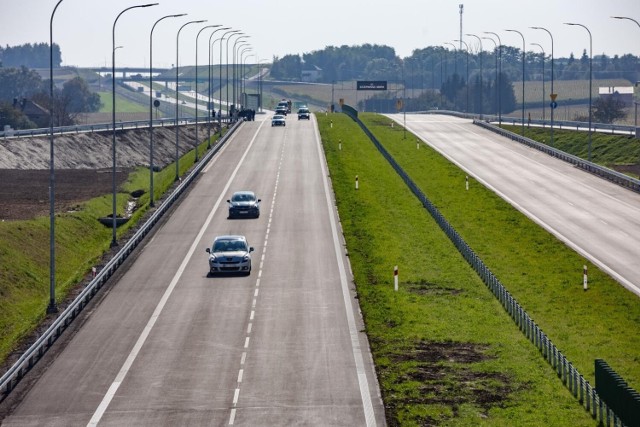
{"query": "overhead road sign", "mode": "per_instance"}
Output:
(371, 85)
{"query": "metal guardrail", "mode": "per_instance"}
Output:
(606, 173)
(101, 127)
(557, 124)
(45, 341)
(568, 374)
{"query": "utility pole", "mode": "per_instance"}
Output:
(461, 6)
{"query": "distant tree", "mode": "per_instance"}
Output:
(30, 55)
(9, 115)
(607, 110)
(584, 59)
(287, 68)
(80, 98)
(18, 83)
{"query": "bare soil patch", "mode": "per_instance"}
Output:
(24, 194)
(447, 376)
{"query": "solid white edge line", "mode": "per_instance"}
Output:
(588, 255)
(353, 332)
(104, 404)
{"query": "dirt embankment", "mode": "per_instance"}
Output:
(94, 150)
(83, 166)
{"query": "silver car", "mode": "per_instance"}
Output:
(278, 120)
(230, 254)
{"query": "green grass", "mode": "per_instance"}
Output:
(123, 105)
(442, 302)
(606, 149)
(80, 241)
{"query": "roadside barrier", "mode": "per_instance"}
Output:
(608, 174)
(568, 374)
(28, 360)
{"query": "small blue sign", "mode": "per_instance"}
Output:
(553, 104)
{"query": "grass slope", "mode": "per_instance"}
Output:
(80, 242)
(446, 353)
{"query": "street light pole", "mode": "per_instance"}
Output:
(467, 47)
(178, 96)
(499, 82)
(196, 85)
(523, 62)
(240, 78)
(553, 94)
(227, 73)
(52, 307)
(211, 105)
(114, 241)
(481, 81)
(234, 71)
(590, 77)
(544, 117)
(151, 191)
(496, 53)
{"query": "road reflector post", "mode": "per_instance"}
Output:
(466, 182)
(339, 144)
(417, 144)
(94, 272)
(585, 280)
(395, 278)
(391, 124)
(331, 124)
(356, 182)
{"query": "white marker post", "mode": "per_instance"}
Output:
(331, 124)
(356, 182)
(466, 182)
(417, 144)
(94, 272)
(395, 278)
(585, 279)
(340, 144)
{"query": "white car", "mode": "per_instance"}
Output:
(278, 120)
(230, 254)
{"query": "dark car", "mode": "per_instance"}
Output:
(304, 113)
(244, 204)
(230, 254)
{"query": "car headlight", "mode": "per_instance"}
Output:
(247, 257)
(212, 258)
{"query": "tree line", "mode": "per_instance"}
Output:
(30, 55)
(20, 86)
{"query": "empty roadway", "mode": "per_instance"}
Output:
(169, 345)
(598, 219)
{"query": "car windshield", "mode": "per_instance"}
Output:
(278, 117)
(229, 245)
(243, 197)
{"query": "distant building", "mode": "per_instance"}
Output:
(310, 73)
(33, 111)
(622, 93)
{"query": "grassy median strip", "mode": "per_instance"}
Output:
(445, 350)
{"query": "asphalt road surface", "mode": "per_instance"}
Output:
(598, 219)
(169, 345)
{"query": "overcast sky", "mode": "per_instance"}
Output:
(83, 28)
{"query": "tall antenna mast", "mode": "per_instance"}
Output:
(461, 10)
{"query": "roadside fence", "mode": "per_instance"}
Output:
(567, 373)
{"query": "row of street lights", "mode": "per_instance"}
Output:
(553, 94)
(52, 307)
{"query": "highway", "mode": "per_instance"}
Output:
(598, 219)
(169, 345)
